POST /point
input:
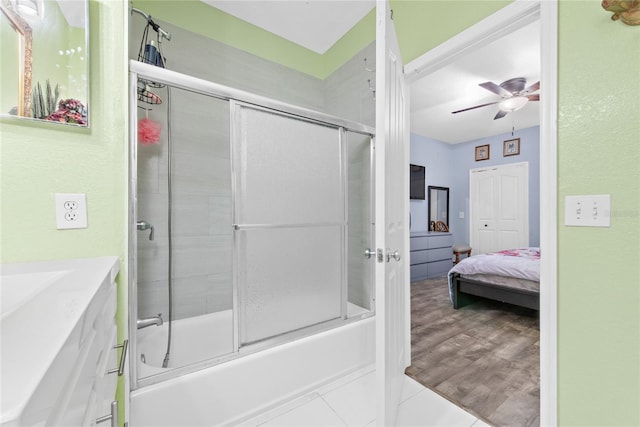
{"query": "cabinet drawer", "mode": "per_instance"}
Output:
(440, 254)
(105, 386)
(418, 257)
(440, 268)
(440, 241)
(419, 271)
(419, 243)
(74, 392)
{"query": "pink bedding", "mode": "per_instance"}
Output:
(522, 263)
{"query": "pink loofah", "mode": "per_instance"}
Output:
(148, 132)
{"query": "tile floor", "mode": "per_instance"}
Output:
(351, 402)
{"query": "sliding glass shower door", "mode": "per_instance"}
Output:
(250, 227)
(290, 223)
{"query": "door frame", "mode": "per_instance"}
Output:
(472, 203)
(505, 21)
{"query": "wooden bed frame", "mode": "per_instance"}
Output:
(464, 290)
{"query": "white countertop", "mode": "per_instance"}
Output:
(42, 303)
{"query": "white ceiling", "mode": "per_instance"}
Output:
(455, 87)
(315, 25)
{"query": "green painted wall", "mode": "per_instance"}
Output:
(599, 269)
(422, 25)
(39, 159)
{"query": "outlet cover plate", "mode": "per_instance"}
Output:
(592, 210)
(71, 210)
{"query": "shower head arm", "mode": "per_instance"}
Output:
(156, 27)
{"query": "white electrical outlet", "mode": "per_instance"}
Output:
(71, 210)
(588, 210)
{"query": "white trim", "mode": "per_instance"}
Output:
(506, 20)
(549, 213)
(217, 90)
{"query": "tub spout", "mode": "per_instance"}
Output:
(154, 320)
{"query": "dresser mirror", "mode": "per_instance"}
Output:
(438, 208)
(45, 63)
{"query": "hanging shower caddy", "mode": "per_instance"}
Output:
(150, 52)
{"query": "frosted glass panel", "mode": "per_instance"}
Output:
(288, 279)
(360, 234)
(289, 170)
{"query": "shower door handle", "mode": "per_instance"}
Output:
(368, 253)
(144, 225)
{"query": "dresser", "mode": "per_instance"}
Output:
(431, 254)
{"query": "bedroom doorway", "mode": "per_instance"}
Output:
(499, 207)
(505, 21)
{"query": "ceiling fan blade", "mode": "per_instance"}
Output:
(534, 87)
(500, 114)
(534, 97)
(473, 108)
(492, 87)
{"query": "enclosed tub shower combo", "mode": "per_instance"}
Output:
(249, 223)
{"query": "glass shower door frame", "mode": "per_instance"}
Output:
(250, 332)
(215, 90)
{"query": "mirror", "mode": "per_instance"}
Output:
(44, 60)
(438, 207)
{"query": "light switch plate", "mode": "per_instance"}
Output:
(592, 210)
(71, 210)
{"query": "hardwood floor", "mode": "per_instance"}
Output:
(484, 357)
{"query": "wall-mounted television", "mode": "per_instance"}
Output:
(416, 182)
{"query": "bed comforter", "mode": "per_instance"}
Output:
(522, 263)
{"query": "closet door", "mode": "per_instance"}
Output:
(289, 223)
(499, 209)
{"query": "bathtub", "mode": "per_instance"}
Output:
(192, 340)
(233, 391)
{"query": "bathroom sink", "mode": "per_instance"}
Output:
(17, 289)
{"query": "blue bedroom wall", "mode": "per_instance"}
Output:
(436, 156)
(449, 165)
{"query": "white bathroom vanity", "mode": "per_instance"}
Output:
(59, 350)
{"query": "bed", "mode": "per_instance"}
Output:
(511, 276)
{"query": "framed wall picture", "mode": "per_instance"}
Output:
(482, 152)
(511, 147)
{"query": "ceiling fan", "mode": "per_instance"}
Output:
(513, 93)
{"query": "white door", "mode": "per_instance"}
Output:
(392, 214)
(499, 208)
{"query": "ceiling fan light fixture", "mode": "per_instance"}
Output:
(514, 103)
